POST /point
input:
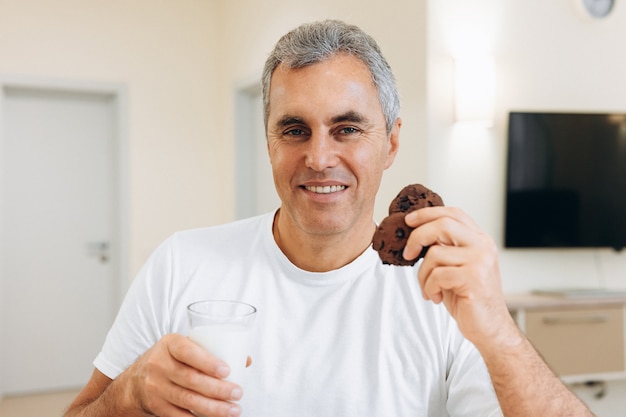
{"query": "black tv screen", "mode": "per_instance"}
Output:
(566, 180)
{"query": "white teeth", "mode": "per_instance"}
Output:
(326, 189)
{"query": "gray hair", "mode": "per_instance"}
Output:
(315, 42)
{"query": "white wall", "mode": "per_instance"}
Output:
(183, 60)
(252, 28)
(549, 56)
(165, 53)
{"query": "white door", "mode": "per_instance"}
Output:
(58, 197)
(256, 192)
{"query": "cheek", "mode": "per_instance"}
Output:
(369, 164)
(282, 162)
(277, 158)
(273, 153)
(373, 157)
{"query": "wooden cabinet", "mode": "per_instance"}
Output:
(581, 339)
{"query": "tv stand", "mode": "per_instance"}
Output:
(580, 335)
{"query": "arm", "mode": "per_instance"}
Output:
(523, 382)
(461, 270)
(172, 377)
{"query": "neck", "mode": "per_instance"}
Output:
(321, 252)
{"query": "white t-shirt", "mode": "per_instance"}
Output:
(353, 342)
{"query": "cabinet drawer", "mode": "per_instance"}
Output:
(579, 341)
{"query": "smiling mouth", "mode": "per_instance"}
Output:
(327, 189)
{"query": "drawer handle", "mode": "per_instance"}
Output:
(575, 320)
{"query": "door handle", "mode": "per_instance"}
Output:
(99, 249)
(549, 320)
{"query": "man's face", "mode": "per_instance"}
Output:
(328, 144)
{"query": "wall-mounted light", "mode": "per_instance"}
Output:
(474, 89)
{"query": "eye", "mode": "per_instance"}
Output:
(294, 132)
(349, 130)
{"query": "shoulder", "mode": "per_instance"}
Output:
(237, 233)
(187, 250)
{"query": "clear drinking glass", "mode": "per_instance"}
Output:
(223, 328)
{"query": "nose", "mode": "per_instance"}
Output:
(321, 152)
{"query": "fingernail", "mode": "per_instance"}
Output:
(223, 371)
(235, 411)
(236, 394)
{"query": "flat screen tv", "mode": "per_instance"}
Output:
(566, 180)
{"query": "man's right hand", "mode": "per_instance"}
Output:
(174, 376)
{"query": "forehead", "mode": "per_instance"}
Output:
(340, 83)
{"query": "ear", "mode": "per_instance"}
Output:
(394, 142)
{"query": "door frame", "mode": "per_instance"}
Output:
(119, 94)
(250, 159)
(245, 155)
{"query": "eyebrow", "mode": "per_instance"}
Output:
(350, 116)
(289, 120)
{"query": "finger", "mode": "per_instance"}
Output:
(444, 231)
(192, 354)
(248, 361)
(468, 271)
(161, 402)
(416, 218)
(443, 282)
(208, 386)
(439, 257)
(185, 399)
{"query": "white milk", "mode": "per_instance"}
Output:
(229, 342)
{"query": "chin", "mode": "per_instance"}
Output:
(324, 225)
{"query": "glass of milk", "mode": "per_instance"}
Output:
(223, 328)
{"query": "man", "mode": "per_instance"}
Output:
(338, 333)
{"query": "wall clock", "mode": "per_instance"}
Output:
(598, 8)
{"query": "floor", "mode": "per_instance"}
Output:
(54, 404)
(41, 405)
